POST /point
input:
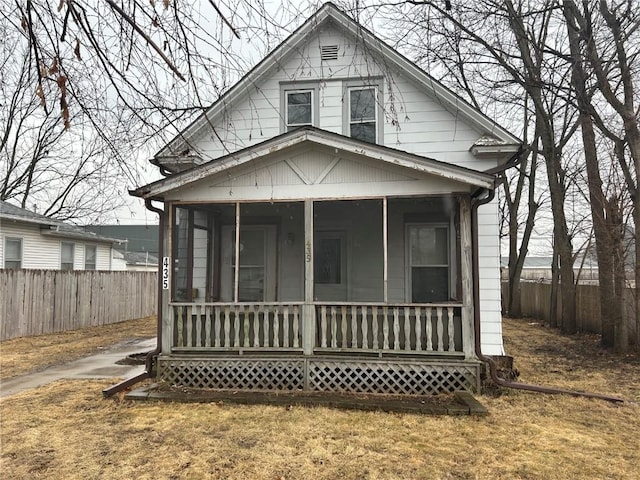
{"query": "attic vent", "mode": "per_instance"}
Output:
(329, 52)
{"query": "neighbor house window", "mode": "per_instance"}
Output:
(299, 108)
(13, 253)
(66, 256)
(363, 114)
(89, 257)
(428, 263)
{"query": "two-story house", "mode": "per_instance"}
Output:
(328, 225)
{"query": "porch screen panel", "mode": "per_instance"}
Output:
(181, 256)
(429, 262)
(252, 264)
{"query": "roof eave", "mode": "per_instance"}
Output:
(56, 232)
(424, 165)
(493, 150)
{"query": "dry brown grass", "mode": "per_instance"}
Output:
(31, 354)
(66, 430)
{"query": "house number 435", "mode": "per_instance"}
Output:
(307, 253)
(165, 273)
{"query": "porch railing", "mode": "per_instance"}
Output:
(372, 328)
(406, 328)
(236, 326)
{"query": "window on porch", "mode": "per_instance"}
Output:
(422, 245)
(270, 257)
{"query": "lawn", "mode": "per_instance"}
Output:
(67, 430)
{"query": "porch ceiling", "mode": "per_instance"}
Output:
(340, 146)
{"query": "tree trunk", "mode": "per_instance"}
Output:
(602, 227)
(555, 173)
(621, 333)
(555, 280)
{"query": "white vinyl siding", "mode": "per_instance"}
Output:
(489, 272)
(43, 251)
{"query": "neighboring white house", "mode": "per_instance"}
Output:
(32, 241)
(319, 221)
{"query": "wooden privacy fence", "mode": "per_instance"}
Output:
(536, 303)
(35, 302)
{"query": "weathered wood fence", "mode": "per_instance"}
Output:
(536, 303)
(35, 302)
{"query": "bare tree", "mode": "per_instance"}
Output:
(507, 43)
(604, 53)
(88, 83)
(60, 172)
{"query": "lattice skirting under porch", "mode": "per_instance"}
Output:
(321, 374)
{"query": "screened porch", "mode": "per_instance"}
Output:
(383, 277)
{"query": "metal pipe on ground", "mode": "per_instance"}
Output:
(493, 369)
(118, 387)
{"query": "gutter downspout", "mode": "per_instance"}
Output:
(476, 202)
(118, 387)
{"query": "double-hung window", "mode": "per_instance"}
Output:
(13, 253)
(428, 262)
(363, 113)
(299, 108)
(89, 257)
(66, 256)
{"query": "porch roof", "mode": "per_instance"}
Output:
(314, 136)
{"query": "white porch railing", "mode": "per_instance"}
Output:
(236, 326)
(377, 328)
(405, 328)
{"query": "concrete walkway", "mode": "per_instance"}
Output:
(100, 365)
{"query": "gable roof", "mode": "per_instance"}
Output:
(49, 226)
(316, 136)
(330, 13)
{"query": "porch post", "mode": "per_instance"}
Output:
(167, 311)
(467, 276)
(236, 277)
(308, 309)
(385, 250)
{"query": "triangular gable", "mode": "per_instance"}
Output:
(339, 144)
(311, 167)
(330, 13)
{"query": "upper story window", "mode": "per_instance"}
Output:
(363, 114)
(299, 108)
(299, 104)
(66, 255)
(13, 253)
(89, 257)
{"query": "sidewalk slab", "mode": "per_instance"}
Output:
(99, 365)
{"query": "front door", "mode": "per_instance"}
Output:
(257, 266)
(330, 266)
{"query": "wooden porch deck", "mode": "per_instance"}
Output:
(461, 403)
